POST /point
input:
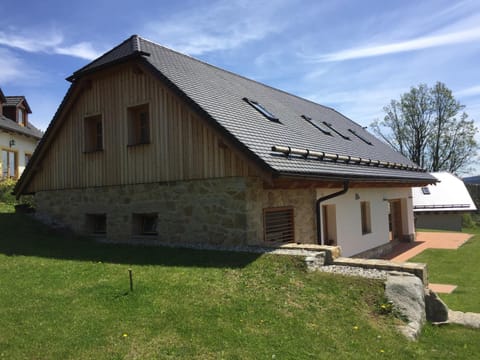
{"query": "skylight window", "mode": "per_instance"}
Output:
(309, 119)
(330, 126)
(360, 137)
(262, 110)
(425, 190)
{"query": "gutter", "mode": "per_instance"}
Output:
(346, 184)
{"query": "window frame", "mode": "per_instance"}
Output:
(273, 233)
(426, 190)
(262, 110)
(93, 136)
(9, 152)
(21, 116)
(138, 128)
(366, 217)
(140, 222)
(27, 158)
(97, 224)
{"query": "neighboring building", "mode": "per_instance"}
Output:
(18, 137)
(473, 186)
(441, 206)
(150, 145)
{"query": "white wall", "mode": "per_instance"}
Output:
(349, 228)
(23, 145)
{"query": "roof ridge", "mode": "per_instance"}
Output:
(237, 75)
(135, 48)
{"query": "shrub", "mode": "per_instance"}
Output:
(470, 221)
(6, 188)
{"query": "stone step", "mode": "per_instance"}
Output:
(418, 269)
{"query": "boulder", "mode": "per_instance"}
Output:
(407, 294)
(436, 310)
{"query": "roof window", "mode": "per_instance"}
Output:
(262, 110)
(425, 190)
(309, 119)
(360, 137)
(330, 126)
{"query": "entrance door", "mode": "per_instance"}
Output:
(396, 223)
(329, 225)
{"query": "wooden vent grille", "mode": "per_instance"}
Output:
(278, 225)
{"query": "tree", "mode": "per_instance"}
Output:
(428, 126)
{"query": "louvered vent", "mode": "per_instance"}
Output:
(278, 225)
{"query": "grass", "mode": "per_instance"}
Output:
(64, 297)
(457, 267)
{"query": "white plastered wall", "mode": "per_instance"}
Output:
(348, 216)
(23, 145)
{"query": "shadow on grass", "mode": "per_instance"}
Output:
(23, 235)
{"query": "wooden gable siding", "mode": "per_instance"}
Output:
(182, 146)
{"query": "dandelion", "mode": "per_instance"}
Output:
(382, 351)
(355, 327)
(124, 335)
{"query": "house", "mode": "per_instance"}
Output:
(473, 186)
(150, 145)
(18, 137)
(442, 205)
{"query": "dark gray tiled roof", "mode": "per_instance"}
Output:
(15, 100)
(220, 94)
(10, 125)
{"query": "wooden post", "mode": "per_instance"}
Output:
(131, 279)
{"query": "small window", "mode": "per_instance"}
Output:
(93, 133)
(145, 224)
(366, 217)
(97, 223)
(138, 125)
(425, 190)
(360, 137)
(262, 110)
(309, 119)
(21, 116)
(330, 126)
(9, 164)
(27, 158)
(278, 225)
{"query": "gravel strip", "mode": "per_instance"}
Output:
(355, 271)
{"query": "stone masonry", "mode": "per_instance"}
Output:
(226, 211)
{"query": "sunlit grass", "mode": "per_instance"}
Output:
(64, 297)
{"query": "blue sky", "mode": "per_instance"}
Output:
(354, 56)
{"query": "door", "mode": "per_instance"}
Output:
(329, 225)
(396, 223)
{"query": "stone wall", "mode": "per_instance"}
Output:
(202, 211)
(226, 211)
(302, 201)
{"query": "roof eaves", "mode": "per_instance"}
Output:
(412, 181)
(135, 51)
(79, 73)
(29, 169)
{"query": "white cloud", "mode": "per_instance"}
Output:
(219, 26)
(82, 50)
(12, 67)
(402, 46)
(50, 43)
(471, 91)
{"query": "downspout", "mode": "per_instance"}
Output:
(318, 209)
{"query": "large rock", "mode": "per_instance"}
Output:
(466, 319)
(407, 294)
(435, 308)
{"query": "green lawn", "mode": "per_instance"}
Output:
(64, 297)
(457, 267)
